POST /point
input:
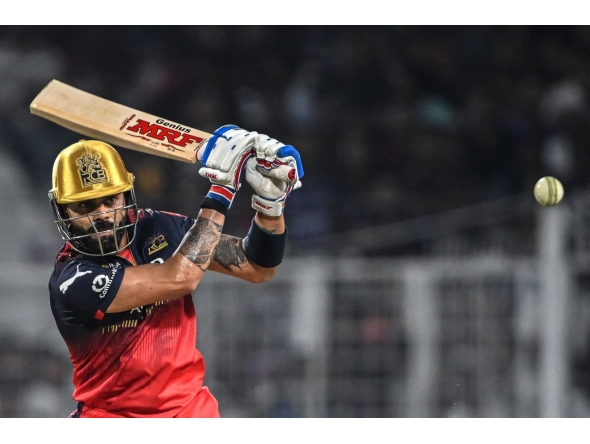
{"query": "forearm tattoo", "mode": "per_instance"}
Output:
(229, 252)
(199, 243)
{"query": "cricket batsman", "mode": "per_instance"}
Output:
(121, 288)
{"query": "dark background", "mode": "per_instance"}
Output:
(392, 122)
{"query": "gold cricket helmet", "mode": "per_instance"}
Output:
(88, 169)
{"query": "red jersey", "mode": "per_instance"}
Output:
(138, 363)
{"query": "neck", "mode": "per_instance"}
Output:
(123, 240)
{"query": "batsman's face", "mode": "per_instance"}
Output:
(99, 218)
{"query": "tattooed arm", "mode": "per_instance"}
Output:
(177, 276)
(230, 254)
(200, 242)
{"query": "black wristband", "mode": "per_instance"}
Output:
(214, 204)
(263, 248)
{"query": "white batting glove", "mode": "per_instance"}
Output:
(223, 159)
(270, 193)
(272, 156)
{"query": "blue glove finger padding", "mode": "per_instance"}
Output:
(290, 151)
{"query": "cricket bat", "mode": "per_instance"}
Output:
(122, 126)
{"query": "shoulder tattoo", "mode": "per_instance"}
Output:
(199, 243)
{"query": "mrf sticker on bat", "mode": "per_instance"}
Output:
(175, 134)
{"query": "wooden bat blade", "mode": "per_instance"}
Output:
(119, 125)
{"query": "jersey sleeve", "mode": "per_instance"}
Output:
(84, 290)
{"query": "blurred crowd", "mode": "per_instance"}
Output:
(392, 122)
(34, 381)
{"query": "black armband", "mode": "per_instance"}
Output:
(214, 204)
(263, 248)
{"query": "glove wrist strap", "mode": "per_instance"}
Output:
(219, 198)
(268, 207)
(213, 204)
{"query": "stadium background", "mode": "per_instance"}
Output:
(421, 278)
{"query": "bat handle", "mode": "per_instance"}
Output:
(285, 173)
(201, 151)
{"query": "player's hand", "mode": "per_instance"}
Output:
(270, 193)
(223, 159)
(272, 155)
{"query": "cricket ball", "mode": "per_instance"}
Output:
(548, 191)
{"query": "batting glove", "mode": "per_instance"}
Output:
(272, 156)
(271, 192)
(223, 159)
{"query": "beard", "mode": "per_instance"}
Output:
(92, 242)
